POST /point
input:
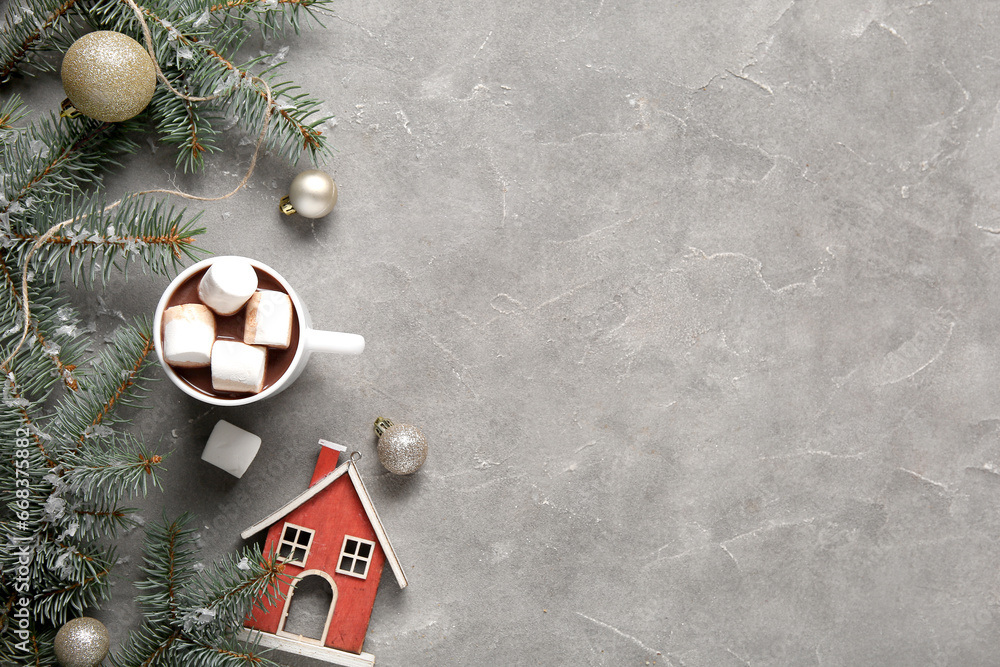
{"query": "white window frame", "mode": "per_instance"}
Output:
(355, 557)
(295, 545)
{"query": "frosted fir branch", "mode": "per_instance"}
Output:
(20, 40)
(191, 615)
(45, 168)
(61, 601)
(11, 111)
(168, 566)
(13, 399)
(147, 647)
(227, 653)
(256, 4)
(231, 79)
(101, 521)
(107, 237)
(123, 467)
(53, 332)
(78, 239)
(236, 20)
(114, 378)
(235, 587)
(50, 159)
(183, 124)
(271, 17)
(124, 385)
(51, 351)
(40, 651)
(67, 561)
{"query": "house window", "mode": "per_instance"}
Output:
(294, 545)
(355, 556)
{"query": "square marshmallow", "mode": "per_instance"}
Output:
(231, 448)
(188, 335)
(269, 319)
(238, 367)
(227, 285)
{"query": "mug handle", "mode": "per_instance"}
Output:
(334, 341)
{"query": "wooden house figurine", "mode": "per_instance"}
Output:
(334, 546)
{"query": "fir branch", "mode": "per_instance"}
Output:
(103, 520)
(234, 590)
(271, 18)
(148, 647)
(41, 652)
(122, 468)
(255, 4)
(165, 646)
(192, 620)
(50, 159)
(19, 40)
(16, 417)
(54, 329)
(58, 603)
(10, 113)
(182, 124)
(226, 654)
(294, 132)
(26, 419)
(69, 561)
(125, 386)
(115, 377)
(168, 566)
(24, 493)
(104, 238)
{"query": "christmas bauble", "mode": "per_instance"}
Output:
(82, 642)
(402, 448)
(108, 76)
(312, 194)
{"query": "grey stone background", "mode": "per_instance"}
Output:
(695, 303)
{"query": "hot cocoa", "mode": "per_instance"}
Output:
(231, 328)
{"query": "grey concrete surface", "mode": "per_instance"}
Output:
(696, 303)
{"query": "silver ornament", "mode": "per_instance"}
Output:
(82, 642)
(312, 194)
(108, 76)
(402, 448)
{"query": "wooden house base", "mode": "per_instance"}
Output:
(296, 647)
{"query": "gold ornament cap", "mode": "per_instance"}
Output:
(108, 76)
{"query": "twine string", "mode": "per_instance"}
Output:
(51, 231)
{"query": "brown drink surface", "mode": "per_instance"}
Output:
(231, 328)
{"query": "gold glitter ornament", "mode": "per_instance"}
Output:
(82, 642)
(402, 448)
(108, 76)
(312, 194)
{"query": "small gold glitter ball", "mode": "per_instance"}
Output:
(312, 194)
(402, 448)
(82, 642)
(108, 76)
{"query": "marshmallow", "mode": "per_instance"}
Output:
(227, 285)
(231, 448)
(269, 319)
(188, 335)
(238, 367)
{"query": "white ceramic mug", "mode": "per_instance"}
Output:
(310, 340)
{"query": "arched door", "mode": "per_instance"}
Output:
(309, 607)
